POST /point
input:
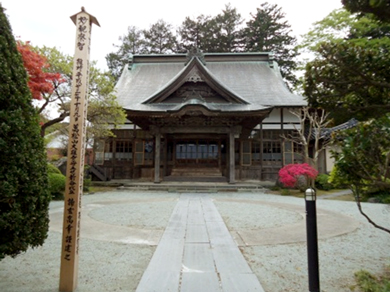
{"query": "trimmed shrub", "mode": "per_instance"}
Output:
(87, 184)
(322, 182)
(24, 196)
(52, 169)
(57, 185)
(336, 178)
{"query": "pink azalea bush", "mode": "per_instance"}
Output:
(290, 174)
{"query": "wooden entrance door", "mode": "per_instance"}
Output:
(199, 152)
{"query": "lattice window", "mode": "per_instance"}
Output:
(139, 153)
(246, 158)
(108, 149)
(99, 152)
(256, 150)
(124, 150)
(272, 151)
(293, 153)
(272, 135)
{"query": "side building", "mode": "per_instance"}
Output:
(206, 117)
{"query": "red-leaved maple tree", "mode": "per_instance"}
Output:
(290, 174)
(40, 81)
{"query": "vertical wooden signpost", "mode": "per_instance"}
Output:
(76, 149)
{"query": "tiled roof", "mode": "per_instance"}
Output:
(252, 79)
(326, 133)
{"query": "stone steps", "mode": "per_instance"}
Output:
(196, 172)
(195, 178)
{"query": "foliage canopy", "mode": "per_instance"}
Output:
(350, 78)
(379, 8)
(103, 109)
(24, 200)
(267, 30)
(364, 157)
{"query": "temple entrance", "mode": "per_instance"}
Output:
(198, 153)
(197, 159)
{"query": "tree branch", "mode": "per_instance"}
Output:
(52, 122)
(357, 198)
(356, 192)
(47, 100)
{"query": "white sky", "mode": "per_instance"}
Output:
(47, 22)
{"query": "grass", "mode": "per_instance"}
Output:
(95, 189)
(299, 194)
(348, 198)
(367, 282)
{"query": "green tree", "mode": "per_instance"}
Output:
(196, 33)
(221, 33)
(336, 26)
(104, 112)
(229, 32)
(132, 43)
(268, 31)
(379, 8)
(349, 76)
(364, 160)
(24, 199)
(159, 38)
(103, 109)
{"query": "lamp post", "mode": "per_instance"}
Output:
(312, 240)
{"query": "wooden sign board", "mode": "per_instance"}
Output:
(76, 153)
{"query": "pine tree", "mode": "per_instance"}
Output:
(159, 39)
(133, 42)
(267, 31)
(24, 199)
(212, 34)
(229, 35)
(191, 33)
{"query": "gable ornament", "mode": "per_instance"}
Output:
(195, 53)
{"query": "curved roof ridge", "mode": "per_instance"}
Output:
(179, 79)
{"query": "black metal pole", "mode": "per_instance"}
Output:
(312, 246)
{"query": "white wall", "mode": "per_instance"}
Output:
(273, 121)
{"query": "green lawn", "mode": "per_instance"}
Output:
(299, 194)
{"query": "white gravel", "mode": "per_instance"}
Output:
(284, 267)
(110, 266)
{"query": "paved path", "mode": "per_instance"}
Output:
(197, 253)
(334, 195)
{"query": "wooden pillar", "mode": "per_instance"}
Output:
(76, 153)
(232, 169)
(219, 154)
(174, 153)
(261, 151)
(165, 158)
(133, 152)
(157, 158)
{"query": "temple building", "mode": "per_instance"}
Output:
(202, 117)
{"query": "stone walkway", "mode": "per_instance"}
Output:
(197, 253)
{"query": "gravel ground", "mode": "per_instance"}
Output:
(113, 266)
(284, 267)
